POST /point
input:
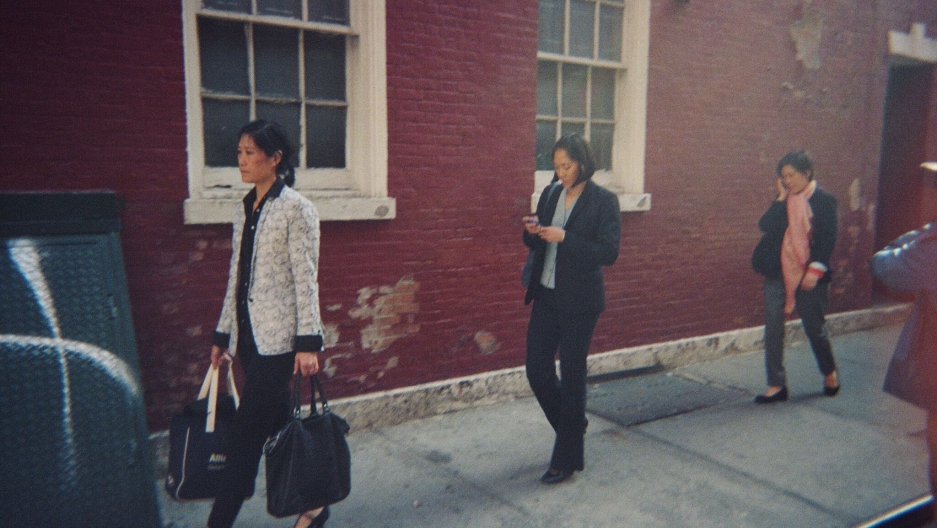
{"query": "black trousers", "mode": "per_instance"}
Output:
(562, 399)
(264, 409)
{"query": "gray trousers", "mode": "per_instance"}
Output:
(810, 306)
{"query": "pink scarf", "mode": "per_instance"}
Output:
(795, 251)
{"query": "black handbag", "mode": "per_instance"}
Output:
(766, 257)
(197, 440)
(308, 460)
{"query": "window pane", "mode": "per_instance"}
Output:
(601, 142)
(581, 27)
(332, 11)
(223, 119)
(284, 8)
(550, 34)
(546, 88)
(223, 53)
(276, 61)
(287, 115)
(238, 6)
(325, 66)
(610, 18)
(574, 91)
(570, 128)
(325, 137)
(603, 93)
(546, 137)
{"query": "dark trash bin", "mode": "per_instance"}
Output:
(74, 445)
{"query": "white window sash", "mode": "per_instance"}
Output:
(357, 192)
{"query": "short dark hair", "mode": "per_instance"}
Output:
(801, 160)
(579, 151)
(271, 138)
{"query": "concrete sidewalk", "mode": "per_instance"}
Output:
(681, 448)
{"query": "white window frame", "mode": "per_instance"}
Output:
(626, 177)
(357, 192)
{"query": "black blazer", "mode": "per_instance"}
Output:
(766, 259)
(593, 234)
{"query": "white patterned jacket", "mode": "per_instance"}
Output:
(283, 297)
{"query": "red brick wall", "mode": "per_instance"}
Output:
(92, 97)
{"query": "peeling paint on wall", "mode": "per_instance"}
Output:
(392, 311)
(807, 33)
(330, 367)
(855, 195)
(331, 335)
(392, 363)
(487, 343)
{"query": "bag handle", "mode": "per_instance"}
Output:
(209, 390)
(314, 384)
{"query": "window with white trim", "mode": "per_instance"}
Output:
(592, 60)
(317, 67)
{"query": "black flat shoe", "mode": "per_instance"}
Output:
(779, 396)
(555, 476)
(831, 391)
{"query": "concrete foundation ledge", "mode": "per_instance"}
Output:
(382, 409)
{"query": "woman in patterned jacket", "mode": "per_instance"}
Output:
(270, 316)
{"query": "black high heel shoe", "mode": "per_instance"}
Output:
(555, 476)
(831, 391)
(318, 521)
(779, 396)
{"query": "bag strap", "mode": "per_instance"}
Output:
(209, 391)
(296, 406)
(233, 388)
(316, 384)
(212, 396)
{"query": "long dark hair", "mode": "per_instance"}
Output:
(271, 138)
(579, 151)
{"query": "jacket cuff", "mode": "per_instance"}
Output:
(309, 343)
(221, 340)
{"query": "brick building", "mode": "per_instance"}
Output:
(429, 157)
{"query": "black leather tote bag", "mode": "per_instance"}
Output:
(308, 460)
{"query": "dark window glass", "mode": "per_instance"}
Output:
(581, 26)
(325, 66)
(610, 20)
(546, 88)
(332, 11)
(223, 119)
(288, 116)
(237, 6)
(325, 137)
(603, 93)
(550, 33)
(574, 90)
(546, 137)
(223, 53)
(571, 128)
(601, 141)
(276, 61)
(283, 8)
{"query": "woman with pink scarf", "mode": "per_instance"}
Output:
(794, 256)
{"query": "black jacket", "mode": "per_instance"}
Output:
(593, 234)
(766, 258)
